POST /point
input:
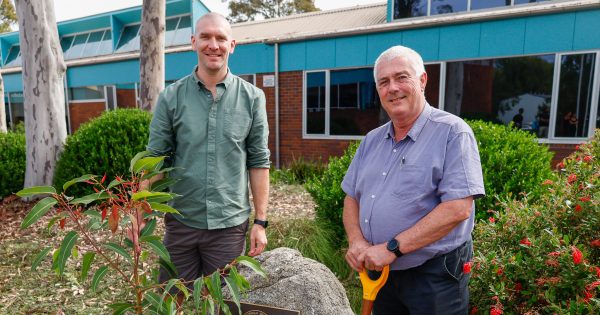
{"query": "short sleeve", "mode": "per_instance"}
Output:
(349, 181)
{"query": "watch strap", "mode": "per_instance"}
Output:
(263, 223)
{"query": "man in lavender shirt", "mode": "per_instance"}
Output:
(409, 195)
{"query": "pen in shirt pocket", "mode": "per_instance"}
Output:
(403, 160)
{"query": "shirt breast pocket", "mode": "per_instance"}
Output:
(237, 124)
(409, 182)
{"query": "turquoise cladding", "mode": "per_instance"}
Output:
(552, 33)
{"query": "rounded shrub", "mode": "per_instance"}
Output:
(104, 145)
(327, 192)
(513, 164)
(12, 162)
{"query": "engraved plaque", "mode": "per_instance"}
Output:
(255, 309)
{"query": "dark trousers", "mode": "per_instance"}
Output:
(439, 286)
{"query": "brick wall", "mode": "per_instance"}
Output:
(126, 98)
(561, 151)
(83, 112)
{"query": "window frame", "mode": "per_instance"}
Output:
(469, 9)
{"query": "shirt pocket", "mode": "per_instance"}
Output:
(237, 124)
(409, 182)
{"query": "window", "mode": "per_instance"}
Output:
(126, 95)
(248, 78)
(315, 102)
(178, 31)
(412, 8)
(77, 46)
(14, 57)
(86, 44)
(448, 6)
(485, 4)
(17, 108)
(506, 90)
(130, 39)
(574, 95)
(408, 8)
(87, 93)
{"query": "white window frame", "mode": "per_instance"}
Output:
(469, 9)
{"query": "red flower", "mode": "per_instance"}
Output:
(587, 158)
(587, 297)
(500, 271)
(572, 178)
(525, 242)
(103, 179)
(561, 165)
(548, 182)
(585, 199)
(467, 267)
(495, 310)
(578, 208)
(518, 287)
(554, 254)
(595, 243)
(577, 255)
(474, 310)
(597, 271)
(577, 147)
(592, 286)
(492, 220)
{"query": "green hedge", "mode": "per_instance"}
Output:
(12, 162)
(513, 163)
(105, 145)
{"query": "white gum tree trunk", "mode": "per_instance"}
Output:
(2, 107)
(43, 90)
(152, 53)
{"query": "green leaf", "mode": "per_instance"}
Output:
(169, 267)
(157, 247)
(234, 290)
(119, 250)
(39, 258)
(148, 228)
(36, 190)
(77, 180)
(114, 183)
(252, 264)
(148, 164)
(215, 288)
(98, 275)
(153, 196)
(163, 208)
(138, 156)
(38, 211)
(65, 251)
(167, 289)
(154, 299)
(120, 308)
(183, 289)
(241, 282)
(93, 214)
(197, 294)
(163, 184)
(88, 258)
(170, 306)
(90, 198)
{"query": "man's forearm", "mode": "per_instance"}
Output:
(259, 184)
(147, 183)
(350, 218)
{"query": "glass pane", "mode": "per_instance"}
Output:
(6, 110)
(170, 29)
(13, 55)
(409, 8)
(184, 31)
(17, 108)
(86, 93)
(448, 6)
(92, 44)
(432, 90)
(354, 103)
(527, 1)
(484, 4)
(574, 95)
(129, 39)
(126, 95)
(105, 46)
(247, 77)
(506, 90)
(110, 97)
(77, 47)
(65, 43)
(315, 103)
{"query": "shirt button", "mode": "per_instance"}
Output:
(372, 196)
(366, 220)
(384, 173)
(395, 150)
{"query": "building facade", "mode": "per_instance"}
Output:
(535, 63)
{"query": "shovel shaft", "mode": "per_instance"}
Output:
(367, 307)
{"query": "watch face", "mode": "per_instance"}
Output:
(392, 245)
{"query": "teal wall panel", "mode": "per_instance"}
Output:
(116, 29)
(106, 73)
(13, 82)
(252, 58)
(500, 38)
(320, 54)
(587, 26)
(426, 42)
(550, 33)
(292, 56)
(198, 10)
(459, 41)
(351, 51)
(178, 65)
(378, 43)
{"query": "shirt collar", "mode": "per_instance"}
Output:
(225, 82)
(417, 127)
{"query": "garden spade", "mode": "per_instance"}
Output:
(371, 287)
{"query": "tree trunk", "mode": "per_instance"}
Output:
(152, 53)
(2, 107)
(43, 90)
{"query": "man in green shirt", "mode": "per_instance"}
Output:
(213, 127)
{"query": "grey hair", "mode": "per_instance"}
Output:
(394, 52)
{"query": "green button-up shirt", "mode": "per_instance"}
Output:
(213, 142)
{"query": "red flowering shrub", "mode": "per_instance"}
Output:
(543, 257)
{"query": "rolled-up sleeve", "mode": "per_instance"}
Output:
(349, 181)
(462, 169)
(161, 140)
(257, 141)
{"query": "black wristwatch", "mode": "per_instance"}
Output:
(262, 223)
(394, 246)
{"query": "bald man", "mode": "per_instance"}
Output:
(212, 126)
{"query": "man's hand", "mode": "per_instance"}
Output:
(258, 240)
(376, 257)
(353, 255)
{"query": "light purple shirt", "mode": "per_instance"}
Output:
(397, 184)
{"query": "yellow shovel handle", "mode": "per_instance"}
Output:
(371, 287)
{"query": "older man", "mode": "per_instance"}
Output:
(213, 125)
(409, 195)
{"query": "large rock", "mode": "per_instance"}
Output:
(296, 283)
